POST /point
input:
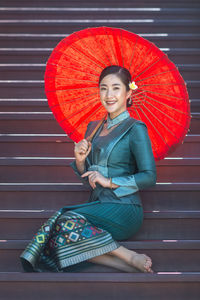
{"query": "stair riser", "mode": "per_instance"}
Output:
(66, 149)
(52, 42)
(152, 200)
(45, 173)
(151, 229)
(91, 3)
(111, 290)
(172, 260)
(39, 75)
(70, 15)
(58, 28)
(51, 126)
(38, 58)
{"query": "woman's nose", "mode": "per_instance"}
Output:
(109, 93)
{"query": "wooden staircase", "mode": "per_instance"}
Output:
(35, 177)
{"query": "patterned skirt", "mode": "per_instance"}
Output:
(77, 233)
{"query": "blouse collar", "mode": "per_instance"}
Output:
(111, 122)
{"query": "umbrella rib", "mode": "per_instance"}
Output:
(99, 44)
(122, 52)
(58, 77)
(179, 111)
(85, 120)
(165, 114)
(85, 45)
(134, 108)
(147, 127)
(162, 124)
(133, 52)
(71, 89)
(86, 56)
(110, 45)
(143, 59)
(76, 112)
(154, 127)
(70, 101)
(69, 68)
(72, 58)
(147, 68)
(170, 96)
(171, 83)
(155, 74)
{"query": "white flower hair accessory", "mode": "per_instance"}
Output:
(133, 85)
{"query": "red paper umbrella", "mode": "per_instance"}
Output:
(71, 85)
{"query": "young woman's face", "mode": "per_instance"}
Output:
(113, 95)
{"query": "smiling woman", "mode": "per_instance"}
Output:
(116, 165)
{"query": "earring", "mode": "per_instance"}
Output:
(130, 101)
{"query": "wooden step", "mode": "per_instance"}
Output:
(176, 196)
(138, 25)
(179, 286)
(179, 256)
(43, 122)
(111, 3)
(58, 169)
(16, 224)
(38, 40)
(26, 13)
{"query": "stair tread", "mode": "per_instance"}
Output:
(64, 186)
(144, 244)
(63, 137)
(65, 161)
(101, 277)
(41, 67)
(75, 9)
(47, 36)
(44, 51)
(43, 213)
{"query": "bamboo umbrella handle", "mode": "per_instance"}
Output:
(90, 137)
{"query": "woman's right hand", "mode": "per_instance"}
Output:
(82, 149)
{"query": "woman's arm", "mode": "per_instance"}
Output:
(140, 146)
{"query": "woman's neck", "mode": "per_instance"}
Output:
(114, 115)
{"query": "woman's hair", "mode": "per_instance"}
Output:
(122, 73)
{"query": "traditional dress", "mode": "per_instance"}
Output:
(77, 233)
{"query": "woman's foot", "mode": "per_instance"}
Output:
(142, 262)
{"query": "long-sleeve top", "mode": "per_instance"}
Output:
(126, 156)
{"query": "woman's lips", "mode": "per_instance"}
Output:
(110, 102)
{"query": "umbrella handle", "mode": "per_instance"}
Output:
(90, 137)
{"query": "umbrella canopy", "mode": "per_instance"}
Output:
(71, 85)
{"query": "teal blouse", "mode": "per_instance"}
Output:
(125, 155)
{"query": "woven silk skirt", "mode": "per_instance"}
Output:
(77, 233)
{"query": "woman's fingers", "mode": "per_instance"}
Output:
(92, 177)
(93, 185)
(86, 173)
(83, 147)
(89, 148)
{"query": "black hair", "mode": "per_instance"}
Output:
(120, 72)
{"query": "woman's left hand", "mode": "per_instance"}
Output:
(95, 176)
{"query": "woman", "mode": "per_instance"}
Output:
(116, 165)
